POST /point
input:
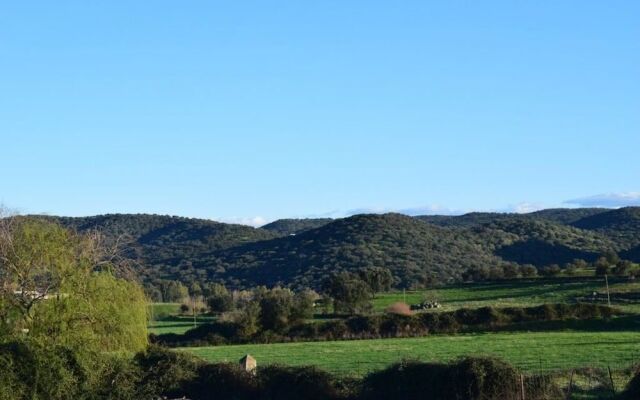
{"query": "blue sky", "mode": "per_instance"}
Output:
(251, 111)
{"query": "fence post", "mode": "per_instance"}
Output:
(570, 388)
(613, 386)
(522, 387)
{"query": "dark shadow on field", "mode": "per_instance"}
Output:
(176, 325)
(621, 323)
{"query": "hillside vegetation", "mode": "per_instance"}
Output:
(417, 250)
(295, 226)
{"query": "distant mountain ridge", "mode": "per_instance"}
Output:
(301, 252)
(291, 226)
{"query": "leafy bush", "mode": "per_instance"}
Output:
(468, 379)
(165, 372)
(222, 381)
(38, 372)
(293, 383)
(632, 391)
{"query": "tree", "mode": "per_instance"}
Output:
(379, 279)
(57, 288)
(195, 290)
(551, 270)
(219, 300)
(303, 305)
(248, 320)
(173, 291)
(611, 257)
(623, 268)
(603, 266)
(275, 309)
(350, 293)
(528, 271)
(510, 271)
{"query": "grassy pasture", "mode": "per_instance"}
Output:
(530, 351)
(166, 318)
(521, 293)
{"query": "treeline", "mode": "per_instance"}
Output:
(608, 263)
(382, 326)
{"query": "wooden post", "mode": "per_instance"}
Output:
(606, 281)
(613, 386)
(193, 305)
(570, 388)
(522, 392)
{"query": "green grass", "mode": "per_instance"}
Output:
(529, 351)
(166, 318)
(504, 294)
(162, 310)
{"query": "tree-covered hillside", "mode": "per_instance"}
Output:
(622, 226)
(292, 226)
(540, 242)
(417, 250)
(563, 216)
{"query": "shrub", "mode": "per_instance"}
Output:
(632, 391)
(119, 380)
(165, 372)
(294, 383)
(468, 379)
(222, 381)
(38, 372)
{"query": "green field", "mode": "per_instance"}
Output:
(552, 346)
(166, 318)
(545, 351)
(504, 294)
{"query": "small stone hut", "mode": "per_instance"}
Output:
(248, 363)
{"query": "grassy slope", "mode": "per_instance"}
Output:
(516, 293)
(529, 351)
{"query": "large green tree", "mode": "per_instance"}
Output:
(58, 288)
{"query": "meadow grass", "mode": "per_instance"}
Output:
(530, 351)
(517, 293)
(166, 318)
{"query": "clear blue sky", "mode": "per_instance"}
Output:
(232, 110)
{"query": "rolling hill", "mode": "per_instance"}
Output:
(292, 226)
(622, 226)
(417, 249)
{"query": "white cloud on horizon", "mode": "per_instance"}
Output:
(413, 211)
(523, 208)
(255, 222)
(614, 200)
(602, 200)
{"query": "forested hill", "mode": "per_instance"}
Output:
(292, 226)
(416, 249)
(563, 216)
(622, 226)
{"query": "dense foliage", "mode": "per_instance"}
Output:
(295, 226)
(56, 289)
(419, 251)
(67, 324)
